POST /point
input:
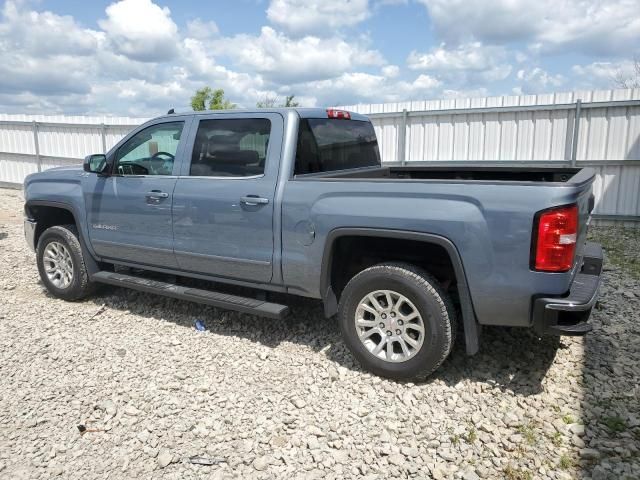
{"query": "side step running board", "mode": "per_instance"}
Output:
(216, 299)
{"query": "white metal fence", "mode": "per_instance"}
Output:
(594, 128)
(31, 143)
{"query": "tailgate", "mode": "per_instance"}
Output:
(586, 203)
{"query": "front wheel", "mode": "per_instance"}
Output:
(397, 321)
(61, 265)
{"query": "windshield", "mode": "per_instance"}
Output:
(327, 144)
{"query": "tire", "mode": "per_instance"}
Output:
(422, 295)
(73, 286)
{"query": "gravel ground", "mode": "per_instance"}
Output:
(283, 399)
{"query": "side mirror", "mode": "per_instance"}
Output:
(96, 163)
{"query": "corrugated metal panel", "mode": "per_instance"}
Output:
(461, 138)
(14, 168)
(17, 138)
(75, 142)
(62, 140)
(617, 190)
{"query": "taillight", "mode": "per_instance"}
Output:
(557, 232)
(343, 114)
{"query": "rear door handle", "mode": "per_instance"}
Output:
(254, 200)
(157, 195)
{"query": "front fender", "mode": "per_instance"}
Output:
(60, 188)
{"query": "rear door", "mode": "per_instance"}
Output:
(129, 213)
(223, 203)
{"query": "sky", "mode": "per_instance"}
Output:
(142, 57)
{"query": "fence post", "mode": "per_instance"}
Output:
(576, 133)
(402, 137)
(103, 133)
(36, 145)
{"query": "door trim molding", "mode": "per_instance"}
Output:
(130, 245)
(223, 258)
(210, 278)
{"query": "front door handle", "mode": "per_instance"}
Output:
(157, 195)
(254, 200)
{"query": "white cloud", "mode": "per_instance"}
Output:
(467, 63)
(488, 20)
(537, 80)
(201, 29)
(357, 87)
(602, 70)
(424, 82)
(44, 33)
(591, 26)
(470, 56)
(281, 58)
(141, 30)
(48, 62)
(322, 17)
(391, 71)
(46, 76)
(606, 74)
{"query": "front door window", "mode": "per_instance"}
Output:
(151, 151)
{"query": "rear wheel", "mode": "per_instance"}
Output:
(397, 321)
(61, 265)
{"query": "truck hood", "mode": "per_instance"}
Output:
(65, 173)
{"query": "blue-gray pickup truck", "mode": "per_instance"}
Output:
(297, 201)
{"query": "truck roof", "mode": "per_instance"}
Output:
(302, 112)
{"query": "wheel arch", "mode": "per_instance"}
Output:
(38, 209)
(330, 299)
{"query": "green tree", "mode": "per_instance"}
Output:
(199, 100)
(267, 102)
(628, 78)
(213, 99)
(218, 102)
(289, 102)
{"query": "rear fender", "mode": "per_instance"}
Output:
(330, 302)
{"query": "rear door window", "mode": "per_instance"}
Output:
(327, 144)
(230, 147)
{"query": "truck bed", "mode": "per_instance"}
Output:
(466, 173)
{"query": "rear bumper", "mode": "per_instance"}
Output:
(30, 233)
(569, 315)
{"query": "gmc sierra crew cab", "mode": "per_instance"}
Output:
(297, 201)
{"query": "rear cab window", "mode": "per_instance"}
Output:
(331, 144)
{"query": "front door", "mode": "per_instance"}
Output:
(223, 203)
(129, 212)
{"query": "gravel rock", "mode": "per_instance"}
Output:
(299, 403)
(577, 429)
(313, 444)
(165, 457)
(410, 451)
(470, 475)
(261, 463)
(285, 399)
(589, 453)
